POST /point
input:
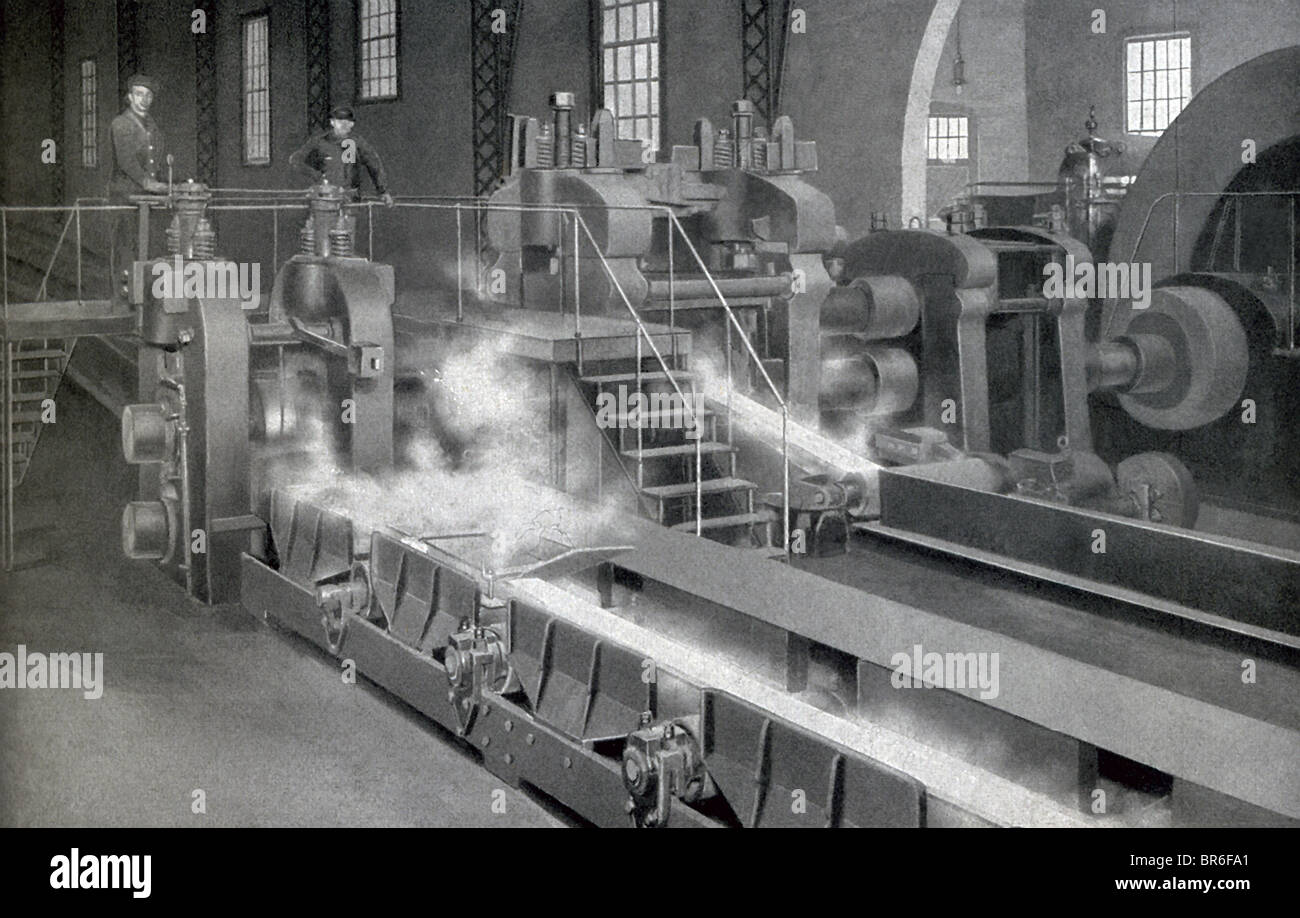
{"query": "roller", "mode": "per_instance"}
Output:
(875, 307)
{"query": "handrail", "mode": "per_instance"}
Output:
(479, 204)
(1291, 273)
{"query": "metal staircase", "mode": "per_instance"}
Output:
(32, 363)
(33, 371)
(661, 460)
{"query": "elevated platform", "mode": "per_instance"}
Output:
(538, 335)
(64, 319)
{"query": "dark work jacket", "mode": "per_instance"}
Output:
(321, 157)
(138, 154)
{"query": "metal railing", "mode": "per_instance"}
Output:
(1235, 195)
(479, 206)
(274, 200)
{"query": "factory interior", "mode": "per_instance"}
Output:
(792, 413)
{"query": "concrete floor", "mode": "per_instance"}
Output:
(194, 697)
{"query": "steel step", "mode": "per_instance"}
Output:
(655, 376)
(681, 449)
(648, 416)
(725, 522)
(709, 486)
(38, 355)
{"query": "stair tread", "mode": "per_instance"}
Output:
(722, 522)
(38, 355)
(680, 449)
(655, 376)
(670, 413)
(708, 486)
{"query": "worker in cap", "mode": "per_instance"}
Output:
(138, 157)
(337, 155)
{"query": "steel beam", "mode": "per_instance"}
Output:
(205, 97)
(763, 25)
(491, 57)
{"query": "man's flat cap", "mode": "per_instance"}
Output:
(140, 79)
(342, 113)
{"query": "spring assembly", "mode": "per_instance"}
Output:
(341, 237)
(545, 147)
(204, 240)
(724, 150)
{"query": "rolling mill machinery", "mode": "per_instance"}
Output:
(477, 640)
(940, 398)
(732, 215)
(954, 354)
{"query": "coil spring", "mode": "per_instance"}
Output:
(724, 151)
(307, 238)
(204, 241)
(545, 149)
(340, 241)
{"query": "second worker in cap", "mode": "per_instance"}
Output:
(337, 155)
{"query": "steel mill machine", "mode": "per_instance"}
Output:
(736, 202)
(978, 470)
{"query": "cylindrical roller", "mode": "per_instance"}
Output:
(848, 382)
(897, 378)
(1205, 345)
(147, 527)
(877, 307)
(147, 434)
(698, 288)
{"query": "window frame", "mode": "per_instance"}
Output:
(965, 116)
(1154, 135)
(89, 120)
(602, 85)
(357, 57)
(244, 20)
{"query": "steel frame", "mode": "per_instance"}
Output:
(58, 97)
(205, 98)
(491, 59)
(317, 14)
(128, 43)
(762, 51)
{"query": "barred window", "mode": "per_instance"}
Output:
(89, 115)
(630, 53)
(947, 139)
(377, 49)
(1158, 70)
(257, 90)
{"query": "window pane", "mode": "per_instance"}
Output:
(626, 30)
